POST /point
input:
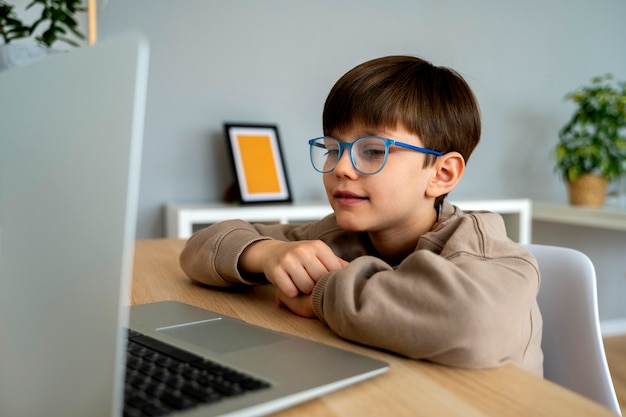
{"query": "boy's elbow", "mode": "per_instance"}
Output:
(192, 274)
(193, 267)
(484, 344)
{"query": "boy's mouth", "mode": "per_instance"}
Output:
(348, 197)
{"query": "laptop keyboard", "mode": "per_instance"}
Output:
(161, 379)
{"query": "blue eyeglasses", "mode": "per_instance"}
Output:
(368, 153)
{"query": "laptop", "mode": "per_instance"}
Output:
(71, 130)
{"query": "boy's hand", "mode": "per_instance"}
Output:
(293, 267)
(300, 305)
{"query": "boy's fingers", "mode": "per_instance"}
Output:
(278, 299)
(286, 285)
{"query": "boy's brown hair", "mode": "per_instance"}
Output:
(434, 103)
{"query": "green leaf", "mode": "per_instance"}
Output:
(594, 139)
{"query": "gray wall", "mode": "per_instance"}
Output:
(275, 61)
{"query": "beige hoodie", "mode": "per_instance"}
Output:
(465, 297)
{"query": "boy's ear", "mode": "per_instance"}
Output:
(449, 169)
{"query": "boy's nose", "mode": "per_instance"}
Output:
(344, 166)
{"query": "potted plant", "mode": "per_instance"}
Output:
(57, 22)
(592, 145)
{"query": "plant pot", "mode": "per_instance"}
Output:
(588, 190)
(19, 55)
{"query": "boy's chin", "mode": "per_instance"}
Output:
(350, 224)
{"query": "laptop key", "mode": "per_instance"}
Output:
(177, 402)
(137, 406)
(203, 395)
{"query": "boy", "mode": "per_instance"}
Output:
(396, 266)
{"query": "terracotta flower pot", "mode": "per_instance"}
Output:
(588, 190)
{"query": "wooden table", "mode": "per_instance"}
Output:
(409, 388)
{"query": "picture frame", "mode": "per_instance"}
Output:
(257, 163)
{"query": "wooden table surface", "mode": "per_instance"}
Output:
(409, 388)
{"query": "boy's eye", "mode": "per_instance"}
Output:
(332, 152)
(372, 151)
(331, 149)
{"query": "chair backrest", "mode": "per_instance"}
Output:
(574, 354)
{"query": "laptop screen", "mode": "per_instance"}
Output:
(70, 152)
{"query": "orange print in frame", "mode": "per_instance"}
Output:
(258, 163)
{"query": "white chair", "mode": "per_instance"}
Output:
(574, 354)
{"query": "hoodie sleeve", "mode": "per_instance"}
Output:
(211, 255)
(468, 300)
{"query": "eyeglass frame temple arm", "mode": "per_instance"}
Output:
(416, 148)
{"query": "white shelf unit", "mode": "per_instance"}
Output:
(181, 220)
(607, 255)
(599, 218)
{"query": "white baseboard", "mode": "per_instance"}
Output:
(613, 327)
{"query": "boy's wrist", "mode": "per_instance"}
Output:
(251, 258)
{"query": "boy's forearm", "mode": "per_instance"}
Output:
(251, 259)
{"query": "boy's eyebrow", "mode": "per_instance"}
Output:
(368, 132)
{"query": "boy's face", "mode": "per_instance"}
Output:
(392, 202)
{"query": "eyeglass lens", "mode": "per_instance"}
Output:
(368, 154)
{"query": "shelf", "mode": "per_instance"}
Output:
(599, 218)
(182, 220)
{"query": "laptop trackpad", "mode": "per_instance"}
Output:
(222, 336)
